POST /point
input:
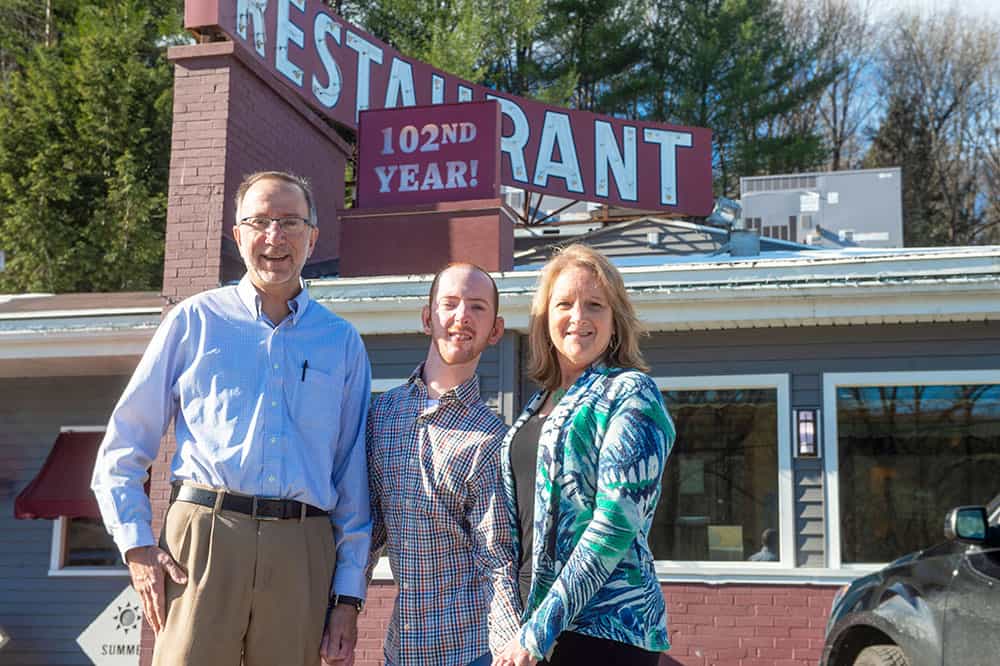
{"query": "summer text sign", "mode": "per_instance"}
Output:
(342, 71)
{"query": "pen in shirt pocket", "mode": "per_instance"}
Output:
(305, 366)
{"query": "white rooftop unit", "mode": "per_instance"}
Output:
(861, 208)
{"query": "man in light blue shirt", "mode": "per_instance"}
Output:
(268, 391)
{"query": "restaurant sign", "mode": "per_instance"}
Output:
(341, 71)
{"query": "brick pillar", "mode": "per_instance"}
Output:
(231, 118)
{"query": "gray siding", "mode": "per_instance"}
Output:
(805, 354)
(44, 614)
(395, 357)
(810, 526)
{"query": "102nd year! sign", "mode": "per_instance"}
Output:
(426, 154)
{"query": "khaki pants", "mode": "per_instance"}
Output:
(257, 591)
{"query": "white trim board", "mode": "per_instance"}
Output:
(831, 449)
(786, 490)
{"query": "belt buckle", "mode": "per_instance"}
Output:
(253, 509)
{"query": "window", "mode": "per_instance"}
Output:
(83, 547)
(724, 497)
(907, 447)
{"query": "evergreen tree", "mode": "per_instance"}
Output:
(481, 41)
(592, 49)
(904, 139)
(84, 154)
(450, 34)
(731, 66)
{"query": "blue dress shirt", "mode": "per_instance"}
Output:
(274, 410)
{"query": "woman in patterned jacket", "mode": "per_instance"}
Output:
(582, 468)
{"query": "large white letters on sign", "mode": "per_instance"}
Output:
(606, 154)
(557, 132)
(252, 11)
(400, 85)
(328, 96)
(668, 142)
(341, 70)
(288, 32)
(367, 54)
(514, 144)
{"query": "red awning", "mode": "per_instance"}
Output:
(62, 487)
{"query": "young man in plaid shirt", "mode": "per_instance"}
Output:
(434, 475)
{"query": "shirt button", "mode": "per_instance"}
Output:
(406, 586)
(274, 440)
(276, 366)
(274, 403)
(406, 627)
(271, 478)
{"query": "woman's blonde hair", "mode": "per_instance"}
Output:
(623, 350)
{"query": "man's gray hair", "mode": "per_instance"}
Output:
(297, 181)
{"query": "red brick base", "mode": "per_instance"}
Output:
(710, 625)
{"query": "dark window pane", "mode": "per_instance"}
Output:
(720, 487)
(89, 545)
(908, 454)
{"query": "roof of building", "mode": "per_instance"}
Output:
(692, 292)
(649, 236)
(70, 334)
(91, 302)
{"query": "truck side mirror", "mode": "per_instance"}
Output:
(966, 523)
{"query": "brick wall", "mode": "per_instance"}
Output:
(710, 625)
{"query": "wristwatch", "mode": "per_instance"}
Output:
(343, 599)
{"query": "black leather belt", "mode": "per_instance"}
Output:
(258, 508)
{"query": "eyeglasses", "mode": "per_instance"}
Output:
(289, 225)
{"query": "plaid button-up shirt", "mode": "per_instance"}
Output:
(436, 496)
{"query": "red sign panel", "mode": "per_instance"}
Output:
(341, 71)
(426, 154)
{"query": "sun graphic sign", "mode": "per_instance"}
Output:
(112, 639)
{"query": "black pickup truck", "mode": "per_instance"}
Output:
(935, 607)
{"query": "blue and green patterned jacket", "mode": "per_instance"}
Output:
(601, 456)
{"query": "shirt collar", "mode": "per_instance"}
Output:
(466, 393)
(251, 299)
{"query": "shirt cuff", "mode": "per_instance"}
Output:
(132, 535)
(350, 580)
(528, 640)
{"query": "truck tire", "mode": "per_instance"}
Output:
(882, 655)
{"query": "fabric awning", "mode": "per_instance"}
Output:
(62, 486)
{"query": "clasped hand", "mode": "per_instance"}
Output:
(514, 655)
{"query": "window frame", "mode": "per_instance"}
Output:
(784, 570)
(831, 460)
(57, 556)
(382, 571)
